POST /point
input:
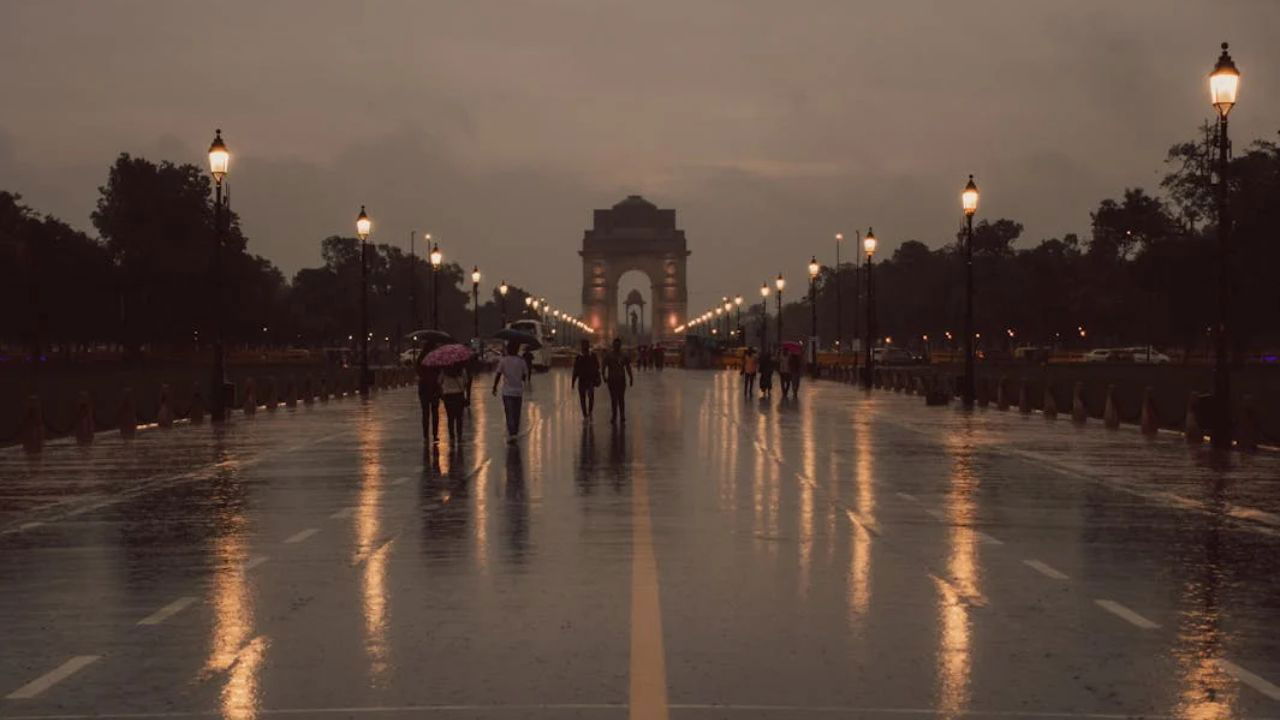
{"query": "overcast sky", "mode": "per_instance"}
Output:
(499, 126)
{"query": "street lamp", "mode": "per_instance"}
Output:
(363, 226)
(814, 268)
(742, 335)
(969, 203)
(780, 283)
(764, 314)
(475, 302)
(502, 301)
(728, 306)
(839, 310)
(869, 244)
(219, 163)
(1224, 84)
(436, 258)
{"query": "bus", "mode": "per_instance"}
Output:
(541, 356)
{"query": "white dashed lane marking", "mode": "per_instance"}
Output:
(1046, 570)
(343, 513)
(53, 677)
(167, 611)
(300, 536)
(1250, 679)
(255, 562)
(1125, 613)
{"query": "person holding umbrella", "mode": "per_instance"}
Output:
(429, 391)
(450, 362)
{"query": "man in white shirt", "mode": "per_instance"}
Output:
(512, 375)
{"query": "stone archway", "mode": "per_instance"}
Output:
(634, 235)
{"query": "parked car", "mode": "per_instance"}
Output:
(1108, 355)
(1148, 355)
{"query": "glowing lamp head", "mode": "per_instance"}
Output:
(737, 300)
(1224, 83)
(475, 275)
(727, 305)
(502, 289)
(780, 282)
(527, 300)
(437, 257)
(363, 224)
(219, 157)
(839, 237)
(869, 243)
(969, 198)
(814, 267)
(764, 290)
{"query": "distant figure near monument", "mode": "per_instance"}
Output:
(634, 235)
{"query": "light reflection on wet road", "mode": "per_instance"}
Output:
(839, 555)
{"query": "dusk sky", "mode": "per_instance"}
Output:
(499, 126)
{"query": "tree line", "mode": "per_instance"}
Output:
(1144, 274)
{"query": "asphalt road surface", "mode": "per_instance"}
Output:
(840, 555)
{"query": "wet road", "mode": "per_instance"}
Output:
(842, 555)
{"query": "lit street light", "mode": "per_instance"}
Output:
(502, 301)
(780, 283)
(969, 202)
(764, 315)
(436, 258)
(839, 310)
(219, 163)
(742, 335)
(1224, 84)
(814, 268)
(475, 302)
(363, 226)
(869, 244)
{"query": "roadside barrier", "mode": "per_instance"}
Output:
(1079, 411)
(1111, 414)
(164, 413)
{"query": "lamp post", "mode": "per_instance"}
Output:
(502, 301)
(728, 306)
(814, 268)
(969, 202)
(475, 302)
(742, 334)
(436, 258)
(1224, 84)
(363, 226)
(764, 315)
(780, 283)
(219, 163)
(869, 243)
(839, 310)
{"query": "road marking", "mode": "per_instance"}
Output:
(53, 677)
(937, 514)
(400, 480)
(648, 690)
(300, 536)
(989, 540)
(343, 513)
(1046, 570)
(29, 526)
(1249, 679)
(255, 562)
(167, 611)
(908, 497)
(1121, 611)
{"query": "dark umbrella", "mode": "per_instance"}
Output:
(521, 337)
(440, 337)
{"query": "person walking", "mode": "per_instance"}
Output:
(512, 374)
(617, 374)
(795, 368)
(429, 394)
(784, 370)
(766, 372)
(586, 375)
(455, 391)
(750, 366)
(528, 365)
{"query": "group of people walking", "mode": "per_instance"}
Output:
(788, 365)
(613, 369)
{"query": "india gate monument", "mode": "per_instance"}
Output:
(634, 235)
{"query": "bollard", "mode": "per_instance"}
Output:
(164, 413)
(1002, 398)
(1049, 405)
(128, 416)
(324, 390)
(196, 415)
(1150, 423)
(1111, 414)
(32, 425)
(1024, 398)
(1079, 412)
(85, 426)
(1247, 425)
(250, 397)
(1191, 425)
(290, 401)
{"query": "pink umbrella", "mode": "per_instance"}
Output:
(447, 355)
(792, 347)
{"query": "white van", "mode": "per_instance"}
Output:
(541, 356)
